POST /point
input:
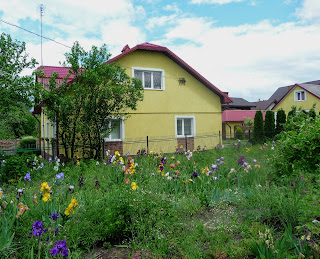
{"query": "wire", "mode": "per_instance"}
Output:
(14, 25)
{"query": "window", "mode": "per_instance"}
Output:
(48, 130)
(117, 132)
(152, 79)
(299, 96)
(185, 126)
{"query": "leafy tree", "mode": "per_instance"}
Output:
(17, 122)
(84, 107)
(269, 127)
(281, 120)
(258, 134)
(14, 88)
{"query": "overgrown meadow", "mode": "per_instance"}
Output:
(222, 203)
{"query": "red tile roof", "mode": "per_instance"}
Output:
(238, 115)
(153, 47)
(62, 71)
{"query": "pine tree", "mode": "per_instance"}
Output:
(281, 120)
(269, 127)
(258, 135)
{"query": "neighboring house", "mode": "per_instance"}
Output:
(303, 96)
(233, 115)
(280, 98)
(178, 102)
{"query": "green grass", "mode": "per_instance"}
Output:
(174, 214)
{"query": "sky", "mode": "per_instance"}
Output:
(248, 48)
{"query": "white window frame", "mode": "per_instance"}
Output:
(296, 93)
(122, 137)
(193, 124)
(48, 130)
(144, 69)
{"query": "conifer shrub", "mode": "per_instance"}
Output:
(258, 134)
(281, 120)
(269, 127)
(238, 133)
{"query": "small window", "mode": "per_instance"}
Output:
(48, 130)
(152, 79)
(185, 126)
(117, 132)
(299, 96)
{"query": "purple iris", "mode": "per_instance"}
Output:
(195, 174)
(60, 247)
(60, 176)
(214, 167)
(27, 177)
(37, 228)
(241, 160)
(54, 216)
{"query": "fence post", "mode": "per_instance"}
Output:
(249, 134)
(147, 144)
(186, 143)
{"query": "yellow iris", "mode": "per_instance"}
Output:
(46, 197)
(134, 186)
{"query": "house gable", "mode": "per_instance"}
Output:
(192, 96)
(300, 95)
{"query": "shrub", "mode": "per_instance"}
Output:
(269, 127)
(281, 120)
(258, 135)
(238, 133)
(299, 145)
(27, 145)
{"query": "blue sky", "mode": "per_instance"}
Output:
(246, 47)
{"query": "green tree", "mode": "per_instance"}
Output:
(269, 126)
(17, 122)
(15, 89)
(281, 120)
(258, 134)
(84, 107)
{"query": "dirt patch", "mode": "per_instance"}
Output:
(111, 253)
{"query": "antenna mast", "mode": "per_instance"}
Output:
(41, 14)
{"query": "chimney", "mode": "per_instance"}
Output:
(125, 48)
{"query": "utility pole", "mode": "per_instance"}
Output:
(41, 14)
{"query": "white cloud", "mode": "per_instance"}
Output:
(161, 21)
(172, 8)
(249, 61)
(221, 2)
(310, 10)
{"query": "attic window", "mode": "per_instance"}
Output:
(152, 79)
(299, 96)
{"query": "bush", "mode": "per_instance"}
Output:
(258, 135)
(299, 146)
(27, 145)
(281, 120)
(238, 133)
(269, 127)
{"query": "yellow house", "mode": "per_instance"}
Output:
(302, 96)
(180, 107)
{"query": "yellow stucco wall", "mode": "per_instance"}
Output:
(289, 101)
(155, 116)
